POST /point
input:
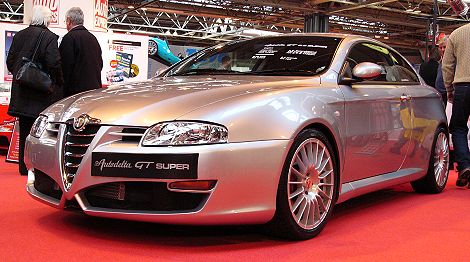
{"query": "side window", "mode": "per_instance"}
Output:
(366, 52)
(395, 69)
(404, 72)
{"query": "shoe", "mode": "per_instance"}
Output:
(464, 175)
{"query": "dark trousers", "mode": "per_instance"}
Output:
(458, 125)
(25, 126)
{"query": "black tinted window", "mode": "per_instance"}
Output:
(292, 55)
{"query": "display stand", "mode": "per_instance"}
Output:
(13, 154)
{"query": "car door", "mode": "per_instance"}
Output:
(378, 120)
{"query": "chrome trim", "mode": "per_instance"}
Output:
(80, 135)
(74, 155)
(77, 145)
(125, 134)
(72, 165)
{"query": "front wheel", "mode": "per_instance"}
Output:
(438, 170)
(307, 188)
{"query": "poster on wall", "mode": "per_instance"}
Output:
(53, 5)
(124, 61)
(8, 77)
(101, 14)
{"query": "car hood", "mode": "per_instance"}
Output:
(163, 99)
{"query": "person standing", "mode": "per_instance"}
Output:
(440, 86)
(81, 55)
(26, 103)
(456, 72)
(428, 69)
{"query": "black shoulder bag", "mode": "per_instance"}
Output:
(31, 73)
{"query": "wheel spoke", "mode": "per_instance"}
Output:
(321, 158)
(297, 203)
(323, 194)
(297, 192)
(316, 210)
(324, 175)
(303, 167)
(302, 209)
(304, 157)
(324, 165)
(305, 219)
(325, 184)
(296, 182)
(321, 205)
(297, 173)
(309, 149)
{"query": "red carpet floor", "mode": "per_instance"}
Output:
(391, 225)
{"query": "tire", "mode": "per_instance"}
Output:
(438, 169)
(306, 193)
(153, 48)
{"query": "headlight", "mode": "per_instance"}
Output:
(39, 126)
(185, 133)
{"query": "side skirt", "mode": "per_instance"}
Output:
(360, 187)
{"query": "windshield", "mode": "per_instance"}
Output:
(286, 55)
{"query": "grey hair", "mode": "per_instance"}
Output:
(75, 14)
(41, 15)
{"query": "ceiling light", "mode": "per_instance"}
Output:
(131, 7)
(417, 11)
(143, 9)
(386, 37)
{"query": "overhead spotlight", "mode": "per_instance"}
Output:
(131, 7)
(376, 36)
(143, 9)
(417, 11)
(386, 37)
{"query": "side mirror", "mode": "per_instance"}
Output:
(366, 71)
(362, 71)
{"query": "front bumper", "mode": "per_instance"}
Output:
(247, 176)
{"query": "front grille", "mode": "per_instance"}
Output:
(130, 134)
(143, 196)
(46, 185)
(75, 146)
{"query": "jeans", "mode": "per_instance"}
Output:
(458, 125)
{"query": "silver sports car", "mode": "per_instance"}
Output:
(272, 130)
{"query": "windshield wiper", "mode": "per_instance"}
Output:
(283, 71)
(206, 71)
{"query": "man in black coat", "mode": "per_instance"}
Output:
(81, 56)
(26, 103)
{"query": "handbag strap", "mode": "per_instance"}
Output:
(38, 43)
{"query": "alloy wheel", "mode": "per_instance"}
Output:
(310, 181)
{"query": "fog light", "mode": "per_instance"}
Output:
(202, 185)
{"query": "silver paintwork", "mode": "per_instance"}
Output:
(367, 70)
(263, 115)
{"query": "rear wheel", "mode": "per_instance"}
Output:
(438, 170)
(307, 189)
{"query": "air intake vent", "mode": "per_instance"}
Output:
(75, 146)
